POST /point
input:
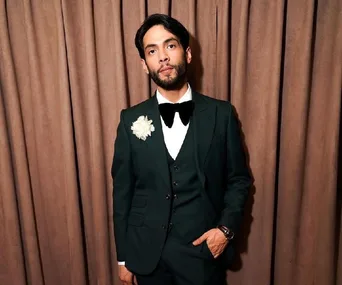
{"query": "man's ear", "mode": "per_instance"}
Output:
(144, 66)
(188, 55)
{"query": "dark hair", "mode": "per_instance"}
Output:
(170, 24)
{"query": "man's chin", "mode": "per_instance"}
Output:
(171, 85)
(166, 78)
(169, 82)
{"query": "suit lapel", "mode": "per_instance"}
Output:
(155, 143)
(204, 124)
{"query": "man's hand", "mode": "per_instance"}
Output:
(215, 240)
(126, 277)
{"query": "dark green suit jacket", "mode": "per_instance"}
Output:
(141, 178)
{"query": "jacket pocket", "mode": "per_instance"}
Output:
(205, 249)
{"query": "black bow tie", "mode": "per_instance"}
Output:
(185, 109)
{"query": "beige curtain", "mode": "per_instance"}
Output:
(67, 68)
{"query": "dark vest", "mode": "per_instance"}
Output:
(187, 218)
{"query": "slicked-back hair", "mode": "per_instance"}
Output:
(170, 24)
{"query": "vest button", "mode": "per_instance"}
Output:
(175, 183)
(167, 197)
(176, 168)
(175, 196)
(164, 227)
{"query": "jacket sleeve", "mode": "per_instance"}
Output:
(238, 177)
(123, 186)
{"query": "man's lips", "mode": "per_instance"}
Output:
(166, 68)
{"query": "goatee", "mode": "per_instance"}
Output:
(171, 83)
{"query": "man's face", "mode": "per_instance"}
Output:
(165, 59)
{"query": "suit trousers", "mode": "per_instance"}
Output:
(185, 264)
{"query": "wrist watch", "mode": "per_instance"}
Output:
(227, 232)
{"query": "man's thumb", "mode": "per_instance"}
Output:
(201, 239)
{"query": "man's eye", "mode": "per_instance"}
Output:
(152, 51)
(171, 46)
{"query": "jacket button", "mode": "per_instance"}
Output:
(175, 196)
(168, 196)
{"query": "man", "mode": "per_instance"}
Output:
(179, 171)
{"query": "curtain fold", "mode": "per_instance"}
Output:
(308, 145)
(256, 63)
(34, 79)
(67, 69)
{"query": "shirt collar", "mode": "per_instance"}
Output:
(186, 97)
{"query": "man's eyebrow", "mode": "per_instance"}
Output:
(171, 39)
(150, 46)
(165, 42)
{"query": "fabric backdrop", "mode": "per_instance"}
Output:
(67, 68)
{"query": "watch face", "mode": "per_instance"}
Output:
(230, 235)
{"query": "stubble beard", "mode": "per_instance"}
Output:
(171, 83)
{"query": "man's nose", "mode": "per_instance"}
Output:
(163, 57)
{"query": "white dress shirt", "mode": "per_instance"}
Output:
(174, 136)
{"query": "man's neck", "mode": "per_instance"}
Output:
(173, 95)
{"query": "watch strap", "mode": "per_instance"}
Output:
(227, 232)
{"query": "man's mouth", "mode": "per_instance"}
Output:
(166, 69)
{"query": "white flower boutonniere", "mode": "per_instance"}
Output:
(142, 128)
